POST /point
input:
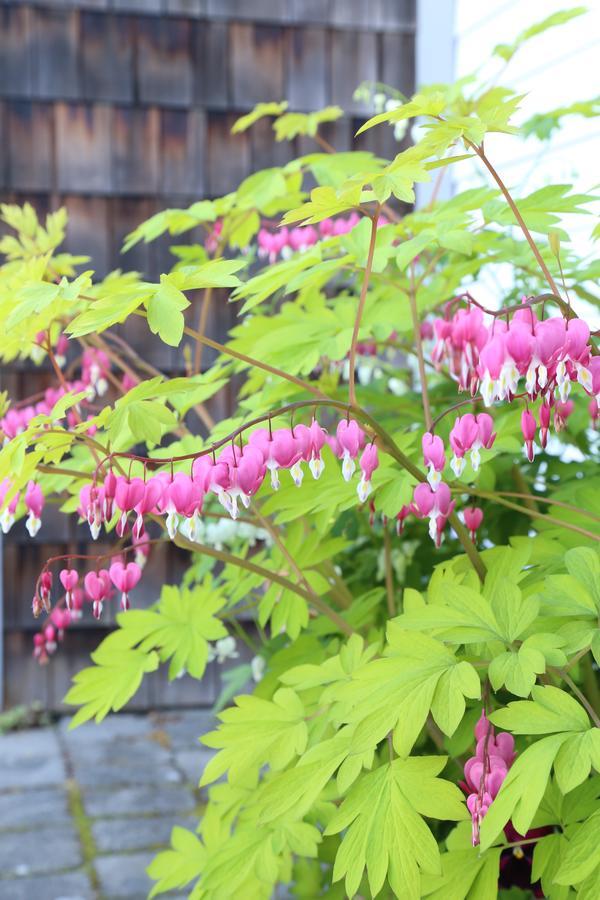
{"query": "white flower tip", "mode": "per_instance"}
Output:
(363, 489)
(316, 467)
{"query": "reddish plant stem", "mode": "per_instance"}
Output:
(361, 307)
(412, 299)
(515, 211)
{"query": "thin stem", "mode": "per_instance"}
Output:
(202, 320)
(412, 299)
(531, 513)
(546, 272)
(268, 575)
(389, 574)
(250, 361)
(580, 696)
(361, 306)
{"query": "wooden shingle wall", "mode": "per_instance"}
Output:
(119, 108)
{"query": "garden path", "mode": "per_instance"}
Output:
(82, 812)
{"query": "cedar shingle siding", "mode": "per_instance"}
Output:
(120, 108)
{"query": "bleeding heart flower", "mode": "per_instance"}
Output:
(434, 457)
(369, 461)
(528, 427)
(473, 518)
(125, 579)
(69, 578)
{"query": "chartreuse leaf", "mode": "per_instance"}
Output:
(324, 202)
(550, 711)
(255, 733)
(110, 683)
(507, 51)
(385, 833)
(259, 112)
(583, 563)
(555, 711)
(466, 875)
(420, 105)
(522, 790)
(110, 309)
(178, 628)
(395, 693)
(290, 125)
(179, 865)
(582, 856)
(165, 316)
(248, 863)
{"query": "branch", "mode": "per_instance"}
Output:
(412, 299)
(481, 154)
(268, 575)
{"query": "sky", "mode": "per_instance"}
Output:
(554, 69)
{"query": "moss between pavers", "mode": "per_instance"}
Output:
(84, 831)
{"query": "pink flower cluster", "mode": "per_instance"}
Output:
(432, 499)
(33, 500)
(98, 586)
(485, 772)
(546, 355)
(285, 241)
(233, 477)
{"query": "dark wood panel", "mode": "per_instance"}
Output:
(182, 152)
(55, 50)
(107, 51)
(83, 147)
(16, 74)
(397, 61)
(88, 230)
(30, 145)
(228, 155)
(308, 83)
(256, 60)
(211, 47)
(164, 65)
(353, 59)
(136, 149)
(253, 10)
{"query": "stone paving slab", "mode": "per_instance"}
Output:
(66, 886)
(24, 809)
(125, 835)
(142, 800)
(192, 762)
(111, 792)
(31, 759)
(124, 875)
(184, 728)
(43, 850)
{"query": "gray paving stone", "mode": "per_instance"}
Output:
(43, 850)
(123, 725)
(124, 835)
(140, 800)
(66, 886)
(158, 772)
(32, 809)
(124, 875)
(30, 759)
(192, 762)
(184, 728)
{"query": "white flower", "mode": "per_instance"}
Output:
(226, 648)
(257, 666)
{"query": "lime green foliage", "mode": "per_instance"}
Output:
(177, 629)
(370, 656)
